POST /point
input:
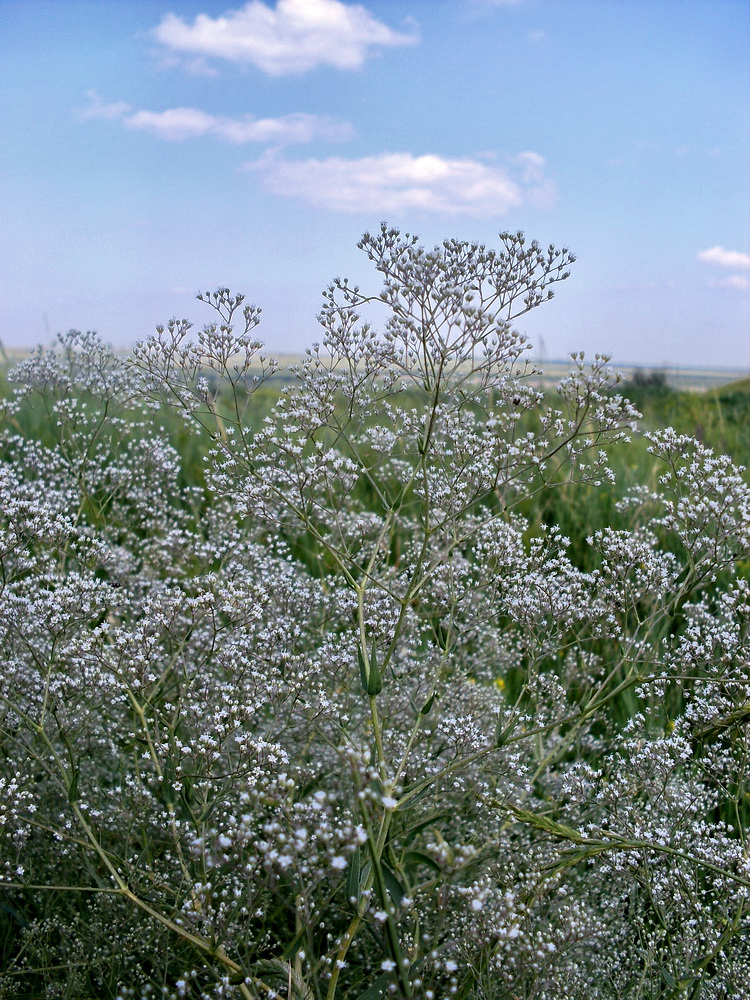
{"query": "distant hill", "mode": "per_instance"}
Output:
(740, 385)
(689, 379)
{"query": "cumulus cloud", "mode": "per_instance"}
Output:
(725, 258)
(293, 37)
(390, 183)
(177, 124)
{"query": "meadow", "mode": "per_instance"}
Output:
(391, 674)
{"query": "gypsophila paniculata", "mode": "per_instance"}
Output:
(334, 718)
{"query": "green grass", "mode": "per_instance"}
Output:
(719, 418)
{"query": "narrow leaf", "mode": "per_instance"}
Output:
(352, 881)
(73, 788)
(414, 858)
(294, 945)
(376, 990)
(362, 669)
(425, 709)
(392, 884)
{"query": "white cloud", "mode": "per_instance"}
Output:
(725, 258)
(293, 37)
(196, 67)
(736, 281)
(176, 124)
(100, 109)
(390, 183)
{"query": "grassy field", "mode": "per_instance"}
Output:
(718, 416)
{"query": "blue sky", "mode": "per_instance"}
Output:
(153, 149)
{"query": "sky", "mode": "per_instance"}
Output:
(151, 150)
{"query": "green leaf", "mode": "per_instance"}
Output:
(441, 635)
(466, 989)
(414, 858)
(73, 788)
(425, 709)
(419, 795)
(375, 685)
(503, 733)
(362, 669)
(549, 825)
(294, 945)
(363, 876)
(376, 990)
(392, 884)
(352, 881)
(280, 975)
(411, 833)
(375, 681)
(14, 913)
(369, 674)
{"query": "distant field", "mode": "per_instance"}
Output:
(688, 379)
(684, 378)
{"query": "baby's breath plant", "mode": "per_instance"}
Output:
(342, 723)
